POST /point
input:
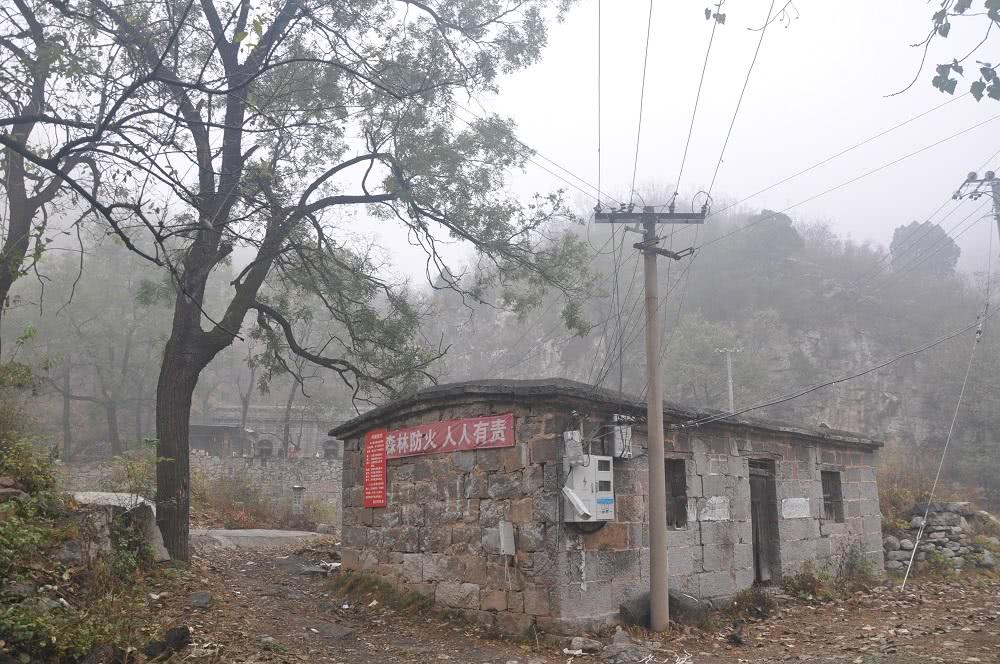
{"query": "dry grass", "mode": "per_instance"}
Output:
(363, 587)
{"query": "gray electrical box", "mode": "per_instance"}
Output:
(573, 448)
(622, 434)
(589, 491)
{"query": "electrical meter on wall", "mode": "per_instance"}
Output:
(589, 492)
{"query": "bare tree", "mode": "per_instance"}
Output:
(42, 82)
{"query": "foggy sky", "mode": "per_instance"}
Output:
(819, 86)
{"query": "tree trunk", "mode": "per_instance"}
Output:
(114, 434)
(245, 408)
(286, 431)
(67, 415)
(138, 413)
(174, 392)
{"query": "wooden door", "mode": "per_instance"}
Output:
(762, 516)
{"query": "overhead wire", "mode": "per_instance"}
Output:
(848, 182)
(842, 379)
(954, 418)
(938, 245)
(912, 240)
(739, 102)
(834, 156)
(590, 188)
(642, 100)
(697, 99)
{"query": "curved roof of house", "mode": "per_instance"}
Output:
(565, 389)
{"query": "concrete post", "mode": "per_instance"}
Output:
(659, 574)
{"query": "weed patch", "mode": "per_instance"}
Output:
(365, 587)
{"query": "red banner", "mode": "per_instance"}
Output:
(473, 433)
(374, 468)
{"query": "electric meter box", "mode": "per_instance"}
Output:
(594, 485)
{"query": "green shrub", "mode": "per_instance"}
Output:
(810, 582)
(134, 471)
(17, 539)
(23, 461)
(937, 564)
(855, 571)
(69, 634)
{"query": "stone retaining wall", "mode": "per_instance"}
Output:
(945, 537)
(273, 478)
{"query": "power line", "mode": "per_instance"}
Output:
(712, 418)
(958, 406)
(912, 240)
(592, 188)
(906, 245)
(850, 181)
(837, 155)
(739, 102)
(941, 243)
(598, 101)
(697, 98)
(642, 99)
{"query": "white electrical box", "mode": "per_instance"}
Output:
(589, 490)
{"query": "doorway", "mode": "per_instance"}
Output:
(764, 521)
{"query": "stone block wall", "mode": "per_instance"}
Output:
(439, 534)
(274, 478)
(711, 557)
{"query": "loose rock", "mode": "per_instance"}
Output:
(586, 645)
(201, 599)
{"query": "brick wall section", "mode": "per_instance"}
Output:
(274, 478)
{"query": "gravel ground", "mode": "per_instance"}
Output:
(264, 609)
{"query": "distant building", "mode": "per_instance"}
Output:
(525, 503)
(264, 436)
(219, 440)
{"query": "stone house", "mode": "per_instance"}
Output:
(488, 530)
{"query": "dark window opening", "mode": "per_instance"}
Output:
(833, 499)
(265, 449)
(604, 465)
(331, 449)
(604, 485)
(676, 493)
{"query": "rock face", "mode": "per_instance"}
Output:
(136, 509)
(945, 536)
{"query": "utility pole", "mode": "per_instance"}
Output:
(975, 186)
(729, 372)
(659, 572)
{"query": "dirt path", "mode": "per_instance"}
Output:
(264, 609)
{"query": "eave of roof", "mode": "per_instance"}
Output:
(562, 388)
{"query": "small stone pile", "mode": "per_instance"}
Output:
(946, 535)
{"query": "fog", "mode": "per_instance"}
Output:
(376, 236)
(821, 84)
